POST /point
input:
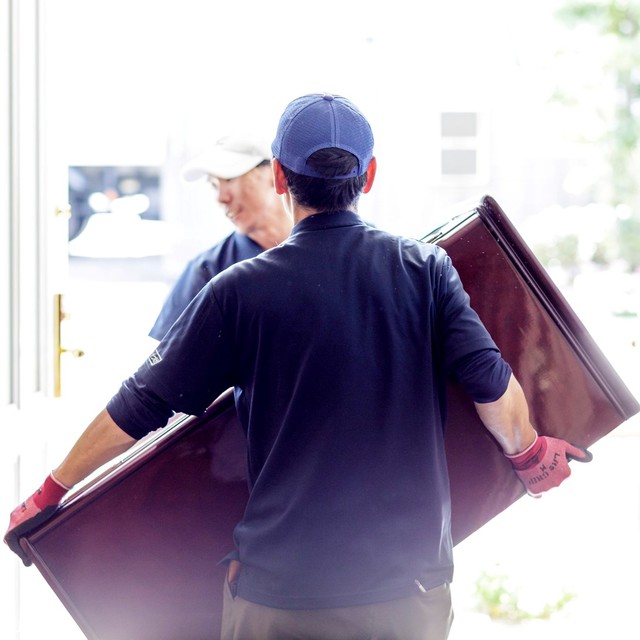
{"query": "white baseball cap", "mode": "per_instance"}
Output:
(230, 157)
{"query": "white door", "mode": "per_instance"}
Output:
(33, 266)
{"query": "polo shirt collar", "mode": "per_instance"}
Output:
(327, 220)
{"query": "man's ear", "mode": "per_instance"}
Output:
(371, 175)
(279, 181)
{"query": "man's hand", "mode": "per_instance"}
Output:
(545, 464)
(32, 512)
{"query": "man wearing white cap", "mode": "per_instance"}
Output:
(238, 167)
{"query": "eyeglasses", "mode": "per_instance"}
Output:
(214, 183)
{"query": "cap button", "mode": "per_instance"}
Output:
(328, 96)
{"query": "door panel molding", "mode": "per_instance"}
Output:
(32, 183)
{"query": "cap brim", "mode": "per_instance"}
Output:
(221, 163)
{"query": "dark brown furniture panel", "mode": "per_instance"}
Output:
(133, 554)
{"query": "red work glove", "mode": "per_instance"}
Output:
(545, 464)
(32, 512)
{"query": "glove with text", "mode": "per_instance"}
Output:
(545, 463)
(32, 512)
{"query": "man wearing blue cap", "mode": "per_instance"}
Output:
(338, 343)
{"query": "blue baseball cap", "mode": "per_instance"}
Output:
(320, 121)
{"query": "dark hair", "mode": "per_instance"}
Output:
(327, 194)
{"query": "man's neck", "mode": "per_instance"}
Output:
(273, 233)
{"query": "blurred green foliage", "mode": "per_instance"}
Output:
(614, 26)
(501, 600)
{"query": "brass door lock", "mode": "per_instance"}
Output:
(58, 316)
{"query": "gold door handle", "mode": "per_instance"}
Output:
(58, 316)
(76, 353)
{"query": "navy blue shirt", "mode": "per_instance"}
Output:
(338, 343)
(234, 248)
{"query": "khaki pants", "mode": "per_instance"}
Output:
(423, 616)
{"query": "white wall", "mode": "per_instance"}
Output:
(154, 83)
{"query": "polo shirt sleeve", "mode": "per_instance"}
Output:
(189, 369)
(470, 354)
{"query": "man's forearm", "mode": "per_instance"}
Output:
(102, 441)
(508, 419)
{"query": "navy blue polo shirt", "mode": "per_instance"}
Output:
(338, 342)
(234, 248)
